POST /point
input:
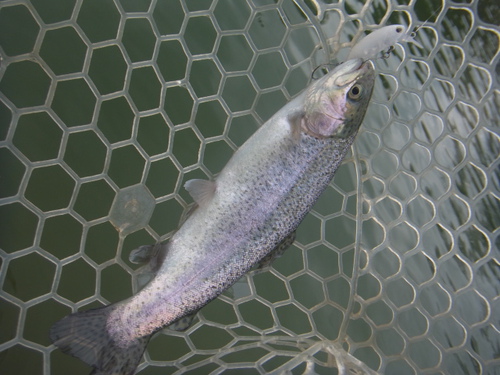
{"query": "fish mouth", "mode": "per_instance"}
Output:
(351, 71)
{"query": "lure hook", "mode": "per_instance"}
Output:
(324, 67)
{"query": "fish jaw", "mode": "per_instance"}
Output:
(335, 103)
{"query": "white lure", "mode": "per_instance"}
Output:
(381, 40)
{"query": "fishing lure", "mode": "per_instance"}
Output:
(381, 40)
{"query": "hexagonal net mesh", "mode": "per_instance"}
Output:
(109, 106)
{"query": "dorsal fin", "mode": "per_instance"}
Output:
(201, 190)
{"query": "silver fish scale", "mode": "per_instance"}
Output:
(396, 266)
(323, 158)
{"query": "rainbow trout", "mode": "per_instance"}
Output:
(253, 207)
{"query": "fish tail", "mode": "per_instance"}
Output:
(84, 335)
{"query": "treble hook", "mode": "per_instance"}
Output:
(386, 54)
(324, 67)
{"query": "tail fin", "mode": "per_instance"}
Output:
(84, 335)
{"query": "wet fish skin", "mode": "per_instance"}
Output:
(256, 202)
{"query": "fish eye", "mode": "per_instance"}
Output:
(355, 92)
(399, 30)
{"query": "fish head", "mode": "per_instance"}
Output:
(336, 104)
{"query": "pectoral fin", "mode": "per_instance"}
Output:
(295, 121)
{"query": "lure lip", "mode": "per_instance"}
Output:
(410, 38)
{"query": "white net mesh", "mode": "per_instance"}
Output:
(108, 107)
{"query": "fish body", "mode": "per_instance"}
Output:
(254, 205)
(380, 40)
